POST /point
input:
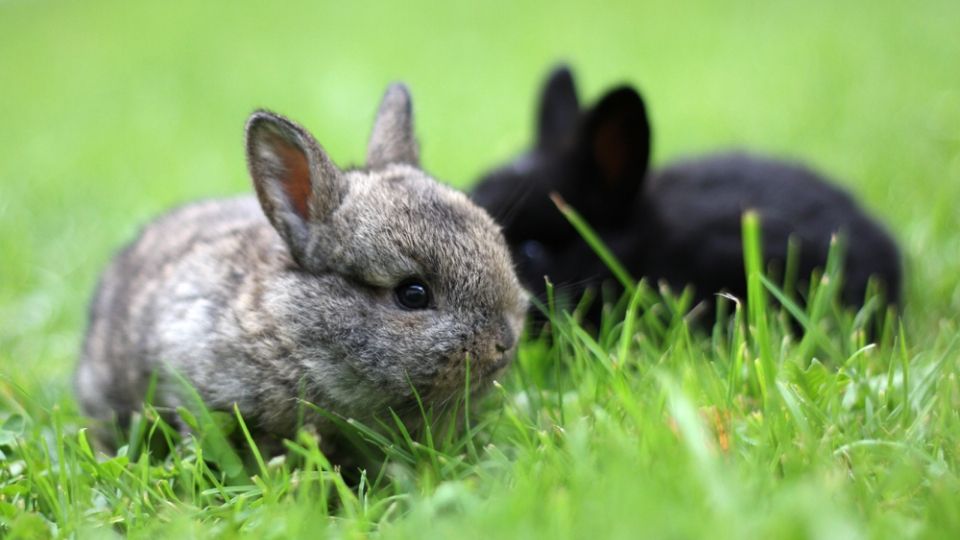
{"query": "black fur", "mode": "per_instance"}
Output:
(680, 224)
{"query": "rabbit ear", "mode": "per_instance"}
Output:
(392, 139)
(559, 109)
(615, 139)
(295, 180)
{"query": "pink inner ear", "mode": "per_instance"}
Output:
(611, 153)
(296, 181)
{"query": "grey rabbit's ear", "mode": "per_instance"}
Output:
(392, 139)
(559, 109)
(615, 140)
(295, 180)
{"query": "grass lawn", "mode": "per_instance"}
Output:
(112, 111)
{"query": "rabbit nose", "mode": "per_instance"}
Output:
(505, 338)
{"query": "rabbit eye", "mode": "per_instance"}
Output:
(532, 251)
(413, 294)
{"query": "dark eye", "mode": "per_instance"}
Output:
(413, 294)
(532, 252)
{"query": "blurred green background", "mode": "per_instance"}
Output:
(111, 111)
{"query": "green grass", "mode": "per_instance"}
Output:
(113, 111)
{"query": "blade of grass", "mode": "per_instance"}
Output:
(595, 243)
(757, 302)
(261, 466)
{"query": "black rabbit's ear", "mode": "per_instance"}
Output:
(295, 181)
(615, 140)
(559, 109)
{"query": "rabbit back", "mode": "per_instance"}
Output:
(178, 293)
(699, 204)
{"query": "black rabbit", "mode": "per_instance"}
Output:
(680, 224)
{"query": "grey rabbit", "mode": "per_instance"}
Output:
(680, 224)
(351, 289)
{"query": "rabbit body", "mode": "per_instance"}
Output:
(352, 290)
(696, 207)
(680, 225)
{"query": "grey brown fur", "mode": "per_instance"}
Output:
(260, 319)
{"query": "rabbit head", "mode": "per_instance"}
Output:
(401, 282)
(596, 160)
